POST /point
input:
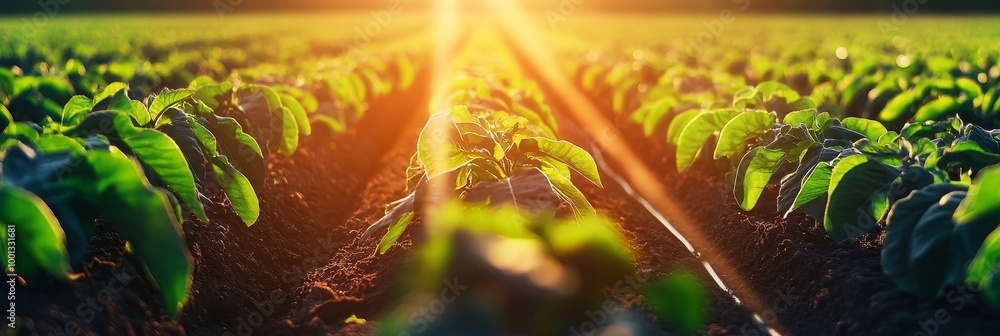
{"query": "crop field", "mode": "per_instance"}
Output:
(499, 169)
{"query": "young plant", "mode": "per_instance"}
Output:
(495, 158)
(53, 199)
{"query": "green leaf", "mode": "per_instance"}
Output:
(969, 87)
(289, 133)
(40, 239)
(52, 143)
(567, 191)
(899, 108)
(806, 117)
(563, 151)
(678, 124)
(5, 118)
(983, 199)
(984, 270)
(76, 109)
(298, 112)
(697, 132)
(154, 149)
(738, 131)
(919, 241)
(938, 109)
(655, 114)
(754, 173)
(168, 98)
(815, 188)
(870, 128)
(857, 196)
(438, 146)
(120, 103)
(238, 188)
(967, 154)
(177, 125)
(144, 217)
(791, 184)
(108, 91)
(395, 231)
(242, 149)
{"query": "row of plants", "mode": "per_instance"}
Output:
(39, 75)
(345, 84)
(490, 138)
(931, 183)
(486, 182)
(889, 91)
(139, 165)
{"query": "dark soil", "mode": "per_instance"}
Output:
(355, 280)
(245, 278)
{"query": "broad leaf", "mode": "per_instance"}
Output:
(41, 242)
(984, 270)
(678, 124)
(857, 196)
(870, 128)
(698, 131)
(108, 91)
(153, 148)
(240, 148)
(814, 191)
(738, 131)
(75, 110)
(938, 109)
(983, 199)
(298, 112)
(237, 187)
(754, 173)
(439, 146)
(563, 151)
(792, 184)
(179, 129)
(168, 98)
(144, 217)
(567, 191)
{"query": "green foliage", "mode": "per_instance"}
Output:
(482, 149)
(697, 132)
(857, 196)
(75, 188)
(38, 229)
